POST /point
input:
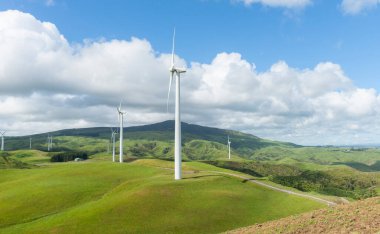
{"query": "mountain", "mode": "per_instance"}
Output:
(242, 143)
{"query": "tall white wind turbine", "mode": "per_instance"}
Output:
(229, 147)
(2, 133)
(121, 121)
(176, 73)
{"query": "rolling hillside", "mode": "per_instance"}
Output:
(243, 144)
(138, 197)
(345, 172)
(202, 143)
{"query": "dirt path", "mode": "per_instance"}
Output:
(329, 203)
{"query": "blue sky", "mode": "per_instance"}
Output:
(304, 71)
(262, 34)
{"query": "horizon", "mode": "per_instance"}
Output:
(302, 72)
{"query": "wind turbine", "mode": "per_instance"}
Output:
(229, 147)
(50, 142)
(113, 137)
(2, 133)
(121, 120)
(30, 142)
(176, 73)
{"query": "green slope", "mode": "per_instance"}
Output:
(7, 162)
(138, 197)
(202, 143)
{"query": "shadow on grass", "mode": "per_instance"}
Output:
(202, 176)
(361, 166)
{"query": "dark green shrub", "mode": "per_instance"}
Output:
(68, 156)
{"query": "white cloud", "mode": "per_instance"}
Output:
(48, 84)
(354, 7)
(49, 2)
(278, 3)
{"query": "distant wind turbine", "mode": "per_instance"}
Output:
(176, 73)
(229, 147)
(50, 142)
(113, 137)
(2, 133)
(121, 120)
(30, 143)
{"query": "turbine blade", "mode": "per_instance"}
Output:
(170, 85)
(173, 48)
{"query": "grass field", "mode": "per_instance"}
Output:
(138, 197)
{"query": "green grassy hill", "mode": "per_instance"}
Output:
(139, 197)
(202, 143)
(345, 172)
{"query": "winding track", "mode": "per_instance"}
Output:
(329, 203)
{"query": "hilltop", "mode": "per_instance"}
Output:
(357, 217)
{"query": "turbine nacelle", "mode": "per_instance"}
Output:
(177, 70)
(120, 112)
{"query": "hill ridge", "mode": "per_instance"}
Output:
(162, 131)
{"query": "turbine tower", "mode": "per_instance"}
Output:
(121, 120)
(229, 147)
(2, 133)
(176, 73)
(113, 137)
(30, 143)
(50, 142)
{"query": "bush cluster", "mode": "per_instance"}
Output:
(355, 186)
(68, 156)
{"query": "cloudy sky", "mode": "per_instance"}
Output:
(305, 71)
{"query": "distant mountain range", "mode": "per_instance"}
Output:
(242, 143)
